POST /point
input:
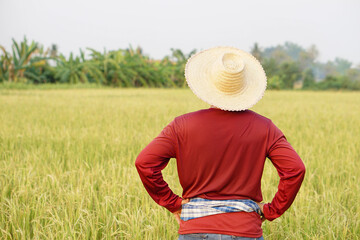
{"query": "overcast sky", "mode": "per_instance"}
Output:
(158, 25)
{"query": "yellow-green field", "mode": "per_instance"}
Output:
(67, 163)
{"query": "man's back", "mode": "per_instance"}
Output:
(220, 155)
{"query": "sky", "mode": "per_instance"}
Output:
(159, 25)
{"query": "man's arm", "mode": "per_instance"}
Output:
(291, 171)
(154, 158)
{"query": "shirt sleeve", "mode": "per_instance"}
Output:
(154, 158)
(291, 171)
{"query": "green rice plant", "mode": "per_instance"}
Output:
(67, 162)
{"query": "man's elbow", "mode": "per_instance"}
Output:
(139, 162)
(296, 170)
(301, 169)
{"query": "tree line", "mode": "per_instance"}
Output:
(290, 66)
(287, 66)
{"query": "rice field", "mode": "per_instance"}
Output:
(67, 162)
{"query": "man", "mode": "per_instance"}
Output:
(221, 151)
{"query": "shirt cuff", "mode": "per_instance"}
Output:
(176, 206)
(268, 212)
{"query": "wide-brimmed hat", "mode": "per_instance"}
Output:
(226, 77)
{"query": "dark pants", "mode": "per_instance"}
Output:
(211, 236)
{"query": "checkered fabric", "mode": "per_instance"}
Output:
(200, 207)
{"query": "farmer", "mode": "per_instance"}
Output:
(221, 151)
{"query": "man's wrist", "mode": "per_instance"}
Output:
(177, 205)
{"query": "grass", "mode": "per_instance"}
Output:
(46, 86)
(67, 162)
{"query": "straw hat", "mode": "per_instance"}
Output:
(226, 77)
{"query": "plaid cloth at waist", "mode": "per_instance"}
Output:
(201, 207)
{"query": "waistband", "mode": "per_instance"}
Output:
(201, 207)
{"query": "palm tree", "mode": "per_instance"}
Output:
(179, 60)
(39, 70)
(5, 62)
(27, 61)
(108, 63)
(21, 56)
(76, 69)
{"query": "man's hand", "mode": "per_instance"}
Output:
(261, 206)
(178, 212)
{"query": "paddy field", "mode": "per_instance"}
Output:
(67, 162)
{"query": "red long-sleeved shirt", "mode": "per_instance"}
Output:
(220, 155)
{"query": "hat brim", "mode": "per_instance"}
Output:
(198, 72)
